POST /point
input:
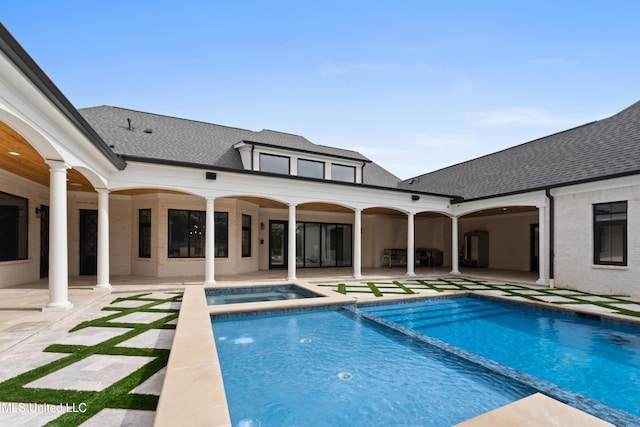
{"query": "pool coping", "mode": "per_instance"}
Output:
(193, 390)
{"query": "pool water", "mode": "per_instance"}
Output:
(238, 295)
(333, 368)
(596, 359)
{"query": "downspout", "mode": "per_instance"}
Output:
(253, 147)
(551, 234)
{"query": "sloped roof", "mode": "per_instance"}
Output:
(163, 138)
(597, 150)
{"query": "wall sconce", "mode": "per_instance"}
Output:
(39, 211)
(262, 226)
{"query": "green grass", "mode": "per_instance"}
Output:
(118, 395)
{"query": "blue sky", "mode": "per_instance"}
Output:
(413, 85)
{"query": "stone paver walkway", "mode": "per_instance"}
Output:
(568, 297)
(105, 370)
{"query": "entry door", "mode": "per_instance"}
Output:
(44, 241)
(534, 235)
(88, 242)
(278, 244)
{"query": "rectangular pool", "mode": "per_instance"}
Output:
(332, 367)
(236, 295)
(599, 360)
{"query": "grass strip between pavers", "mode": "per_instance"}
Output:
(118, 395)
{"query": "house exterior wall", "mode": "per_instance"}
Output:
(574, 267)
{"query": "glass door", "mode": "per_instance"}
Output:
(277, 244)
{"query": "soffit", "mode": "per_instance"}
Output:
(29, 164)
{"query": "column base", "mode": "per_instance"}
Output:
(541, 282)
(410, 274)
(209, 283)
(292, 278)
(455, 272)
(57, 306)
(357, 276)
(103, 287)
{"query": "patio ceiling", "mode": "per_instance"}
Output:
(18, 157)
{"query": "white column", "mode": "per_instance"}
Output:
(291, 245)
(411, 252)
(210, 244)
(542, 232)
(103, 240)
(58, 247)
(357, 244)
(454, 245)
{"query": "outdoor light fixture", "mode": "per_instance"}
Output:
(415, 197)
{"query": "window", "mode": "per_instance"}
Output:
(144, 233)
(221, 222)
(246, 235)
(187, 234)
(310, 168)
(343, 173)
(323, 244)
(275, 164)
(14, 227)
(610, 233)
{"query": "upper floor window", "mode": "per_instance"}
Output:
(13, 227)
(275, 164)
(343, 173)
(310, 168)
(610, 233)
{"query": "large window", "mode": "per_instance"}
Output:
(246, 235)
(275, 164)
(144, 233)
(323, 244)
(187, 234)
(310, 168)
(13, 227)
(343, 173)
(610, 233)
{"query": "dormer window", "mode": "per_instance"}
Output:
(343, 173)
(274, 164)
(311, 168)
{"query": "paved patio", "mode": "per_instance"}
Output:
(103, 362)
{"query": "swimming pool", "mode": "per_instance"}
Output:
(596, 359)
(332, 367)
(236, 295)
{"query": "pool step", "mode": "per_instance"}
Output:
(429, 315)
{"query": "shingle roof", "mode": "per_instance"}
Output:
(604, 148)
(163, 138)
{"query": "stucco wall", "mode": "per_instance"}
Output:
(574, 266)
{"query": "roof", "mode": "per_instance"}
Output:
(601, 149)
(10, 47)
(154, 137)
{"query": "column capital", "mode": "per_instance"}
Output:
(58, 165)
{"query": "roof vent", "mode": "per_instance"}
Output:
(129, 127)
(148, 130)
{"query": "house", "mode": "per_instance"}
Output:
(110, 191)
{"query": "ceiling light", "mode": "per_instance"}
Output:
(14, 153)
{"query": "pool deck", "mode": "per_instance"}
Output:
(91, 375)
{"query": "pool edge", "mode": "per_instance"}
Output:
(193, 392)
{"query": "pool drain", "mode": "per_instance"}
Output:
(305, 340)
(346, 376)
